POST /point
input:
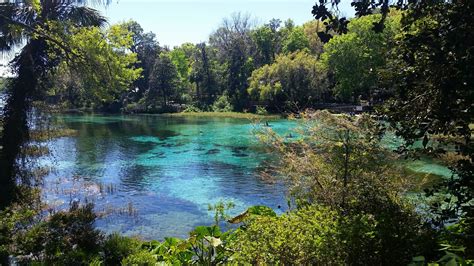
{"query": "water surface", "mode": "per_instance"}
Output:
(154, 176)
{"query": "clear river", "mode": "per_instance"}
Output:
(154, 176)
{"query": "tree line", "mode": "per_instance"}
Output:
(279, 66)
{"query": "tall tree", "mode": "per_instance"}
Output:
(164, 83)
(296, 40)
(356, 58)
(39, 25)
(266, 39)
(311, 29)
(235, 48)
(106, 69)
(182, 56)
(204, 75)
(147, 48)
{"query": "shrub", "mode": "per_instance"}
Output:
(305, 237)
(391, 234)
(66, 238)
(116, 248)
(222, 104)
(12, 220)
(142, 257)
(261, 110)
(192, 109)
(339, 162)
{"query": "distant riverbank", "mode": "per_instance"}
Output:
(223, 115)
(237, 115)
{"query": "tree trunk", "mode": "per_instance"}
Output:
(15, 124)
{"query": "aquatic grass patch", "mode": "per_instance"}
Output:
(235, 115)
(418, 181)
(428, 166)
(95, 118)
(45, 135)
(36, 151)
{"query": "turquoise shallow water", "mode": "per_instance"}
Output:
(154, 176)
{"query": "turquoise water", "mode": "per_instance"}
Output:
(154, 176)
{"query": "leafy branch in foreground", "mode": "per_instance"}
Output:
(337, 161)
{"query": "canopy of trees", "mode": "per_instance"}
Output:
(356, 58)
(105, 71)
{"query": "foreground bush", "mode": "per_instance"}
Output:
(316, 235)
(64, 238)
(116, 248)
(338, 161)
(310, 236)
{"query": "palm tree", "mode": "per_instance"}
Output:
(37, 25)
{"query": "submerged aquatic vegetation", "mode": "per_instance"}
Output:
(44, 135)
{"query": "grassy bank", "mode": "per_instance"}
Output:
(223, 115)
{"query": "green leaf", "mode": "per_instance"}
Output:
(202, 231)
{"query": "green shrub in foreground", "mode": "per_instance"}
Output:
(65, 238)
(117, 247)
(305, 237)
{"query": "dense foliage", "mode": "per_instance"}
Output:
(198, 75)
(347, 199)
(355, 58)
(431, 72)
(310, 236)
(105, 71)
(294, 80)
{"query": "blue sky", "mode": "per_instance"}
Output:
(178, 21)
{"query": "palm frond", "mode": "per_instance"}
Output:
(12, 17)
(85, 16)
(71, 11)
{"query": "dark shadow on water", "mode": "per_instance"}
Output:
(239, 154)
(164, 134)
(212, 151)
